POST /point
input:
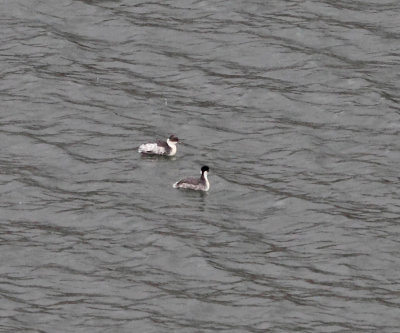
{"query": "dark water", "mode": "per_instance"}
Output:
(294, 105)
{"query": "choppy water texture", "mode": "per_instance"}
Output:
(294, 105)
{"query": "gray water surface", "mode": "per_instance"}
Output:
(294, 105)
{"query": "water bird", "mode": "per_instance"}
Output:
(166, 148)
(198, 184)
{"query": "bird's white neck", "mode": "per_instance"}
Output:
(172, 145)
(205, 173)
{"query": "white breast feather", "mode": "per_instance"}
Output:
(207, 182)
(173, 150)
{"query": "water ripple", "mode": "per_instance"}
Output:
(294, 105)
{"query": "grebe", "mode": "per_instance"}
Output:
(198, 184)
(160, 147)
